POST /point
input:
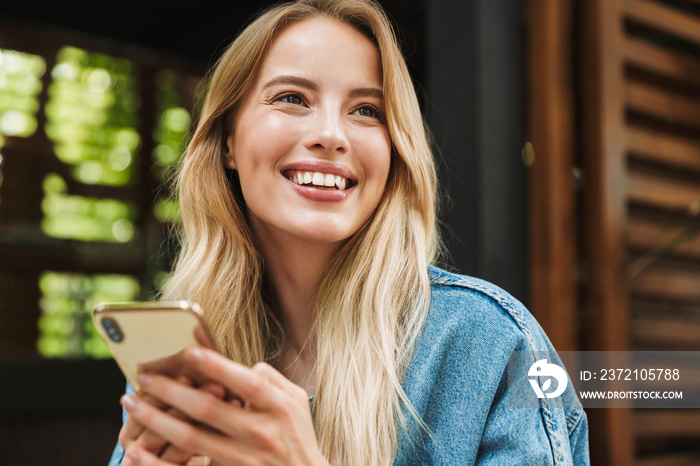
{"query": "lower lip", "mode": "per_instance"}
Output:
(320, 195)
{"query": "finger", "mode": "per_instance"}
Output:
(133, 433)
(183, 434)
(280, 381)
(130, 431)
(133, 429)
(175, 454)
(153, 442)
(220, 392)
(242, 381)
(215, 389)
(167, 452)
(140, 457)
(199, 461)
(201, 406)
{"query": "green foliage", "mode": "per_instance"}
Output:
(85, 218)
(20, 83)
(92, 116)
(65, 325)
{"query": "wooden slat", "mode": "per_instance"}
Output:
(665, 332)
(667, 282)
(649, 308)
(657, 103)
(650, 235)
(658, 147)
(602, 151)
(673, 459)
(662, 61)
(662, 192)
(551, 187)
(665, 19)
(663, 423)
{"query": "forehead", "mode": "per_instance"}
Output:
(323, 47)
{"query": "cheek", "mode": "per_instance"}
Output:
(377, 163)
(261, 144)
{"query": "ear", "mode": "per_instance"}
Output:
(227, 153)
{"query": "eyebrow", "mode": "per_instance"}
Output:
(308, 84)
(367, 92)
(289, 79)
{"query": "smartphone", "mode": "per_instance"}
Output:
(151, 337)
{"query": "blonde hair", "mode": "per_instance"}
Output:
(374, 298)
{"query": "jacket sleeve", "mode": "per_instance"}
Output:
(578, 440)
(118, 454)
(520, 429)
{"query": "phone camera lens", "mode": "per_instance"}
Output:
(112, 330)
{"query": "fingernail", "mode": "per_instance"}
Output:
(134, 456)
(129, 402)
(145, 380)
(196, 354)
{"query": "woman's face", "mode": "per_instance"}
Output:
(309, 140)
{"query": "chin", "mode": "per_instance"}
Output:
(328, 236)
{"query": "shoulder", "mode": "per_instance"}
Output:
(491, 312)
(468, 348)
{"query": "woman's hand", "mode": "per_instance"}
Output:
(134, 435)
(272, 424)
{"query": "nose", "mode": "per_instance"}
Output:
(327, 132)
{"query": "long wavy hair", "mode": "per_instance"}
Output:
(375, 295)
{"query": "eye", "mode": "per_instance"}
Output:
(368, 111)
(291, 98)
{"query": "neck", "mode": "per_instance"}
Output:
(294, 269)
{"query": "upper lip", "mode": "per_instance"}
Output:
(320, 166)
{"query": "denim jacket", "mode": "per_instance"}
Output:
(456, 382)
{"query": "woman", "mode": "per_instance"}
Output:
(311, 261)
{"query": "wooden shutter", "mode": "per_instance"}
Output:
(661, 59)
(641, 153)
(633, 127)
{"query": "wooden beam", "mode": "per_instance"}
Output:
(663, 104)
(667, 423)
(669, 193)
(667, 20)
(661, 61)
(661, 148)
(666, 333)
(672, 459)
(667, 282)
(602, 144)
(552, 231)
(677, 239)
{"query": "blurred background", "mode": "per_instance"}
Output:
(568, 139)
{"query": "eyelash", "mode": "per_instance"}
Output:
(281, 98)
(376, 113)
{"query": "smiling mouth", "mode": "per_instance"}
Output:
(318, 180)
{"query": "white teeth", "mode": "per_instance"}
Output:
(325, 180)
(318, 179)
